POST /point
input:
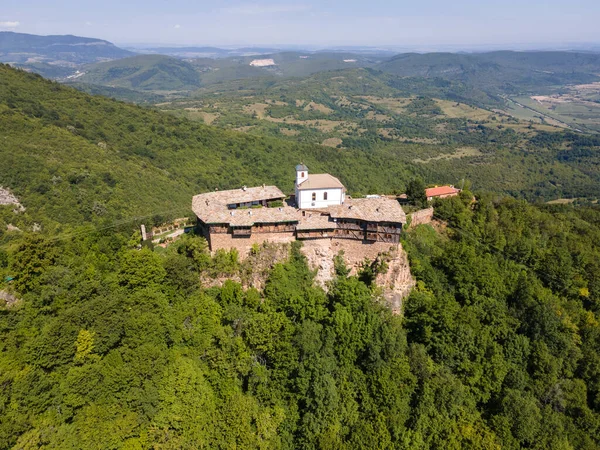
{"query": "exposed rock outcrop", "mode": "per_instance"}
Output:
(8, 299)
(397, 281)
(7, 198)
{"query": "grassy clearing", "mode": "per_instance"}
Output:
(561, 201)
(372, 115)
(332, 142)
(312, 106)
(197, 114)
(462, 152)
(454, 110)
(396, 105)
(258, 109)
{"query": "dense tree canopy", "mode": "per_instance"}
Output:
(113, 347)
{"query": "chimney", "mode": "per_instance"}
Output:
(243, 187)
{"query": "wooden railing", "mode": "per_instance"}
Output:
(349, 226)
(389, 229)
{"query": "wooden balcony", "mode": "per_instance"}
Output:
(241, 231)
(217, 230)
(389, 229)
(349, 234)
(348, 226)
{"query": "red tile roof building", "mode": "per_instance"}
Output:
(441, 192)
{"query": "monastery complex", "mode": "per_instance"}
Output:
(320, 209)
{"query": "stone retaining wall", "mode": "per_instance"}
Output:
(421, 217)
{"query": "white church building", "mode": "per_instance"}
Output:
(317, 190)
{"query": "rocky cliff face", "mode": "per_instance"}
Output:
(397, 281)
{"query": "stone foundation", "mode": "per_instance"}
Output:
(244, 244)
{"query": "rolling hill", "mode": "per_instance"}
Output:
(73, 158)
(160, 72)
(285, 65)
(493, 73)
(206, 52)
(20, 48)
(143, 72)
(499, 72)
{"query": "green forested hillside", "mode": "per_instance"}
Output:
(499, 345)
(143, 72)
(500, 72)
(23, 48)
(432, 127)
(73, 158)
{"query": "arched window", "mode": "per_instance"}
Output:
(324, 195)
(302, 175)
(314, 196)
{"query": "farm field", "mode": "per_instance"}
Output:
(331, 110)
(579, 109)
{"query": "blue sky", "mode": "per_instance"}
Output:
(310, 22)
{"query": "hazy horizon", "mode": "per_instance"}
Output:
(431, 24)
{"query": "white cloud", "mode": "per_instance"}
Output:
(89, 24)
(9, 24)
(256, 9)
(177, 26)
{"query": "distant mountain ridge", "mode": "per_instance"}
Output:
(504, 71)
(206, 52)
(65, 50)
(144, 72)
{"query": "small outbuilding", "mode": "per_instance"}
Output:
(441, 192)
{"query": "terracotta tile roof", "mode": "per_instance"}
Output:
(370, 210)
(320, 181)
(441, 190)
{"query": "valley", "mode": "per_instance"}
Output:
(173, 276)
